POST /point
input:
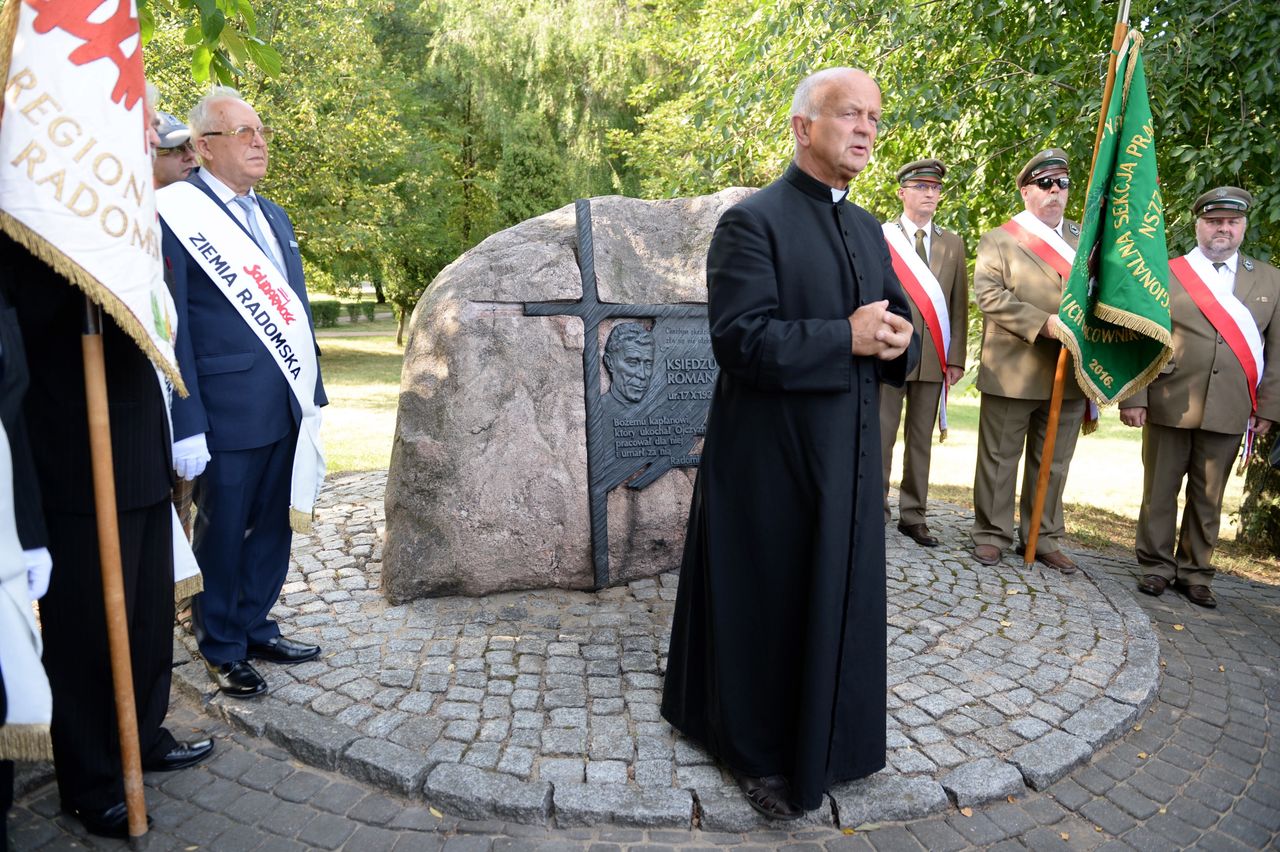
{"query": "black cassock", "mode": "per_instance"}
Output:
(777, 659)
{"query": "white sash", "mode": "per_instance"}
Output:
(926, 283)
(1235, 309)
(243, 273)
(925, 277)
(1028, 220)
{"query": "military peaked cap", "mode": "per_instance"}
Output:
(1224, 199)
(1050, 158)
(922, 169)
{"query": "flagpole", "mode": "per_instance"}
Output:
(104, 491)
(1064, 355)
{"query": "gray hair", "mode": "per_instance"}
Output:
(803, 104)
(200, 119)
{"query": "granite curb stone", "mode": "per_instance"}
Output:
(981, 781)
(887, 797)
(385, 764)
(1049, 758)
(592, 804)
(483, 794)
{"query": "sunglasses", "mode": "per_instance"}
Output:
(184, 148)
(1047, 183)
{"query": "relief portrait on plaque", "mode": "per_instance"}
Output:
(628, 358)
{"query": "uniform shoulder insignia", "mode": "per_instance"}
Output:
(1248, 264)
(1075, 229)
(937, 230)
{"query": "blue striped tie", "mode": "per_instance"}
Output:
(248, 204)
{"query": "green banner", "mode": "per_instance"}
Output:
(1115, 310)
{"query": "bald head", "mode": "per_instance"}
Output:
(835, 116)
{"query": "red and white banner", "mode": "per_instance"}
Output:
(75, 167)
(926, 293)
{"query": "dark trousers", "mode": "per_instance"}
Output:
(86, 743)
(242, 543)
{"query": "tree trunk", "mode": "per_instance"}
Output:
(400, 327)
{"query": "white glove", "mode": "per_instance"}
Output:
(39, 565)
(190, 455)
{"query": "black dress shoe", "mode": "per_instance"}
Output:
(918, 533)
(181, 756)
(238, 679)
(282, 650)
(770, 796)
(112, 822)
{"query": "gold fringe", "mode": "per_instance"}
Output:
(1133, 322)
(8, 29)
(29, 743)
(188, 587)
(300, 522)
(1136, 384)
(78, 275)
(942, 436)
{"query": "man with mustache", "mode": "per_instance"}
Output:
(1021, 269)
(1219, 386)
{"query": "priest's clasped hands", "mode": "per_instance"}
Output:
(879, 332)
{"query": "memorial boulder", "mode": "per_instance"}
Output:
(554, 393)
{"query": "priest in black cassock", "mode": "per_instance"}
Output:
(777, 659)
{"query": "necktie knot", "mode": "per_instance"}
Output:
(1218, 266)
(920, 249)
(249, 204)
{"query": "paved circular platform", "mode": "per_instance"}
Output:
(542, 707)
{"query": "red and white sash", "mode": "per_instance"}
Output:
(925, 291)
(1045, 243)
(1230, 318)
(249, 280)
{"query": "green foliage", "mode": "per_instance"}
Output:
(529, 178)
(1260, 511)
(222, 37)
(325, 313)
(367, 308)
(353, 311)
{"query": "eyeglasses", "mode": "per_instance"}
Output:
(1047, 183)
(924, 186)
(184, 148)
(245, 134)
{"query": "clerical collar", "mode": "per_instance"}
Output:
(811, 186)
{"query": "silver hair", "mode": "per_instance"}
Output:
(200, 119)
(803, 103)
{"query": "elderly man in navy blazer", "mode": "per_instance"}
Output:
(242, 418)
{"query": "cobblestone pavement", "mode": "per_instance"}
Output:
(406, 737)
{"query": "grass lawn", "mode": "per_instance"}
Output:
(361, 365)
(1104, 487)
(361, 368)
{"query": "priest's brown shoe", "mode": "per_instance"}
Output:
(1153, 584)
(1058, 560)
(1200, 596)
(987, 554)
(919, 533)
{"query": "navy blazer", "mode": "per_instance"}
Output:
(238, 397)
